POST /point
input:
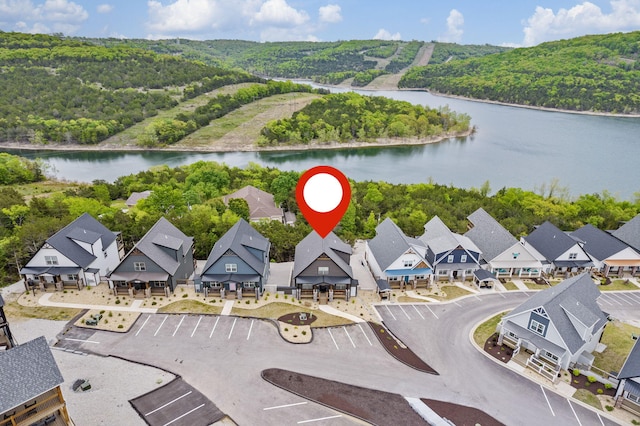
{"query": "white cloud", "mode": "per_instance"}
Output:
(279, 14)
(104, 8)
(383, 34)
(455, 22)
(51, 15)
(583, 18)
(330, 13)
(182, 15)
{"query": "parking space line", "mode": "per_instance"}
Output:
(196, 327)
(500, 293)
(168, 403)
(80, 340)
(185, 414)
(600, 418)
(611, 298)
(434, 314)
(250, 328)
(318, 419)
(602, 299)
(161, 324)
(405, 312)
(334, 340)
(143, 324)
(414, 307)
(622, 298)
(547, 399)
(457, 304)
(178, 326)
(349, 336)
(627, 296)
(365, 335)
(284, 406)
(214, 327)
(390, 313)
(232, 325)
(477, 297)
(574, 413)
(632, 296)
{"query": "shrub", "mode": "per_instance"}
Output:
(110, 314)
(600, 391)
(248, 301)
(117, 301)
(304, 333)
(276, 295)
(592, 379)
(102, 312)
(120, 326)
(608, 385)
(608, 407)
(154, 303)
(576, 372)
(106, 321)
(185, 295)
(286, 329)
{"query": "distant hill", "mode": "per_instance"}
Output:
(598, 73)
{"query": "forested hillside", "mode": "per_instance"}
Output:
(598, 73)
(190, 197)
(67, 91)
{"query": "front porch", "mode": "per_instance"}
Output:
(53, 278)
(47, 409)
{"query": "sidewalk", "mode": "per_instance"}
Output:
(135, 306)
(333, 311)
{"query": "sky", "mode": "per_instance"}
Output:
(497, 22)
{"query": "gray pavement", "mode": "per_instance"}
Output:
(360, 269)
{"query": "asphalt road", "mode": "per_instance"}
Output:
(222, 357)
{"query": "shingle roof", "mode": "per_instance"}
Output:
(312, 246)
(631, 366)
(575, 296)
(261, 204)
(390, 243)
(598, 243)
(490, 237)
(550, 241)
(85, 229)
(164, 234)
(629, 232)
(439, 238)
(26, 371)
(137, 196)
(237, 239)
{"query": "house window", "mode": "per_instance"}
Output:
(72, 277)
(550, 356)
(419, 277)
(450, 258)
(512, 335)
(121, 283)
(463, 258)
(394, 279)
(634, 398)
(442, 273)
(215, 284)
(323, 270)
(573, 255)
(248, 284)
(105, 254)
(535, 326)
(231, 267)
(139, 266)
(408, 263)
(51, 260)
(156, 283)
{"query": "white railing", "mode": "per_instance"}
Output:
(542, 368)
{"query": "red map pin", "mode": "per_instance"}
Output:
(323, 194)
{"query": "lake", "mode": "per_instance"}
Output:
(513, 147)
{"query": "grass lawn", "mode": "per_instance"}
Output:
(15, 310)
(533, 286)
(617, 337)
(44, 188)
(451, 292)
(275, 310)
(486, 329)
(190, 306)
(619, 285)
(408, 299)
(510, 285)
(588, 398)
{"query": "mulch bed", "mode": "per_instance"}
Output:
(294, 318)
(461, 415)
(399, 350)
(582, 382)
(502, 353)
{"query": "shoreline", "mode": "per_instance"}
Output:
(379, 143)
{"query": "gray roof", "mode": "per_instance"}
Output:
(85, 229)
(439, 238)
(631, 366)
(26, 371)
(550, 241)
(598, 243)
(490, 237)
(135, 197)
(629, 232)
(1, 301)
(312, 246)
(164, 234)
(261, 204)
(575, 296)
(237, 239)
(390, 243)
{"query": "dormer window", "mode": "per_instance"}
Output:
(573, 256)
(536, 327)
(463, 258)
(450, 258)
(515, 255)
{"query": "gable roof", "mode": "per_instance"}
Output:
(137, 196)
(629, 233)
(550, 241)
(26, 371)
(631, 366)
(164, 234)
(85, 229)
(575, 297)
(390, 243)
(439, 238)
(490, 237)
(237, 239)
(261, 204)
(312, 246)
(598, 243)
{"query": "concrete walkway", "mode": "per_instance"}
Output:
(135, 307)
(226, 309)
(521, 285)
(415, 295)
(333, 311)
